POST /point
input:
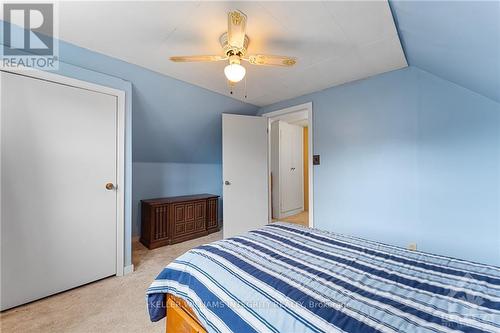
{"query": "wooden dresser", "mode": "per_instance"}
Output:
(172, 220)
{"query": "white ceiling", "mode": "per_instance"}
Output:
(335, 41)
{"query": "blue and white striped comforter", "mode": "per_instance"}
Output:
(285, 278)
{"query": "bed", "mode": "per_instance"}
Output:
(286, 278)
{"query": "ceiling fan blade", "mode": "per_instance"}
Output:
(271, 60)
(236, 29)
(199, 58)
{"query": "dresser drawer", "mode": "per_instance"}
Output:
(189, 227)
(185, 212)
(189, 218)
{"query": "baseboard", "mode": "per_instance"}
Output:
(128, 269)
(290, 213)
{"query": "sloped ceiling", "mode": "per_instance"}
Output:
(335, 41)
(456, 40)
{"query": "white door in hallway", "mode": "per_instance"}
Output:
(58, 217)
(291, 168)
(245, 173)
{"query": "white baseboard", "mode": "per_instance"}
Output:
(291, 212)
(128, 269)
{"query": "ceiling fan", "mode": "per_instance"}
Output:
(234, 43)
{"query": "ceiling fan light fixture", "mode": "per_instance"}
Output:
(234, 72)
(234, 44)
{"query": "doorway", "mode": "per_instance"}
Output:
(290, 165)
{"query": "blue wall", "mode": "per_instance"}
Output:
(152, 180)
(408, 157)
(456, 40)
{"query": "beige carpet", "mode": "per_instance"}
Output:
(301, 218)
(115, 304)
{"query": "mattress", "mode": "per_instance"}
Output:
(288, 278)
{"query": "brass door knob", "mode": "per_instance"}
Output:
(110, 186)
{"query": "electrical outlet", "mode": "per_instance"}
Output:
(412, 247)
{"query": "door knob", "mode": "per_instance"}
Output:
(227, 182)
(110, 186)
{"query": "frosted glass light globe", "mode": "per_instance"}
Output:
(235, 72)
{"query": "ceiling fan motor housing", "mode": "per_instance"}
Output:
(234, 59)
(230, 50)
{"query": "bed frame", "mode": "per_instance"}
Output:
(180, 317)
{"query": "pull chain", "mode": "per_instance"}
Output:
(231, 86)
(245, 87)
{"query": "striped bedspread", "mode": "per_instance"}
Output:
(285, 278)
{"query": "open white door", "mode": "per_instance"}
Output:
(244, 171)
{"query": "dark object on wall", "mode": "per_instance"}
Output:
(315, 159)
(176, 219)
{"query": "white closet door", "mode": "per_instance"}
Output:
(291, 186)
(285, 167)
(297, 192)
(58, 221)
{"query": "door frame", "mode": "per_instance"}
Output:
(120, 146)
(276, 115)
